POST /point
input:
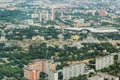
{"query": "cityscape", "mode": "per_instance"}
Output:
(59, 39)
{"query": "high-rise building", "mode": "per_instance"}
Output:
(102, 1)
(33, 69)
(118, 1)
(31, 74)
(40, 17)
(44, 15)
(73, 70)
(3, 38)
(53, 14)
(53, 75)
(104, 62)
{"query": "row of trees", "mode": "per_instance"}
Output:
(17, 59)
(13, 67)
(48, 33)
(113, 69)
(79, 78)
(114, 36)
(67, 53)
(13, 16)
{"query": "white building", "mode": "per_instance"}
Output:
(53, 14)
(29, 22)
(119, 58)
(96, 78)
(53, 75)
(35, 15)
(104, 62)
(38, 38)
(109, 77)
(73, 70)
(93, 30)
(103, 76)
(66, 74)
(79, 21)
(44, 15)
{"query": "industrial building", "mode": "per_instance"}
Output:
(93, 30)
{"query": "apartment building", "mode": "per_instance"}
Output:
(104, 62)
(33, 69)
(73, 70)
(53, 75)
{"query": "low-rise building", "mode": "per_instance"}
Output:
(108, 76)
(103, 76)
(38, 37)
(28, 22)
(102, 13)
(96, 78)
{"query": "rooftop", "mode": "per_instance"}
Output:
(94, 30)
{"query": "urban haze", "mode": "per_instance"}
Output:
(59, 39)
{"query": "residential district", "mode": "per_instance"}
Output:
(59, 39)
